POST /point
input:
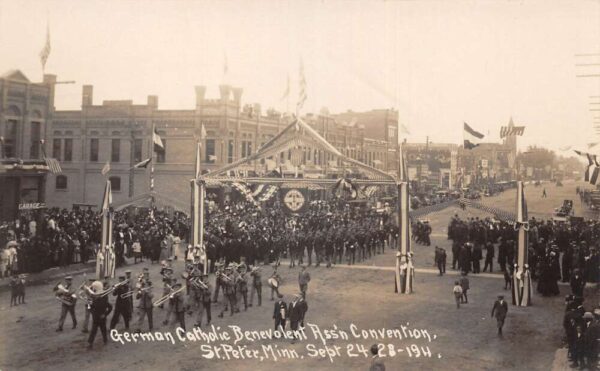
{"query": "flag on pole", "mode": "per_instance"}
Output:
(471, 137)
(403, 129)
(591, 164)
(53, 165)
(507, 131)
(45, 53)
(106, 168)
(143, 164)
(302, 92)
(158, 143)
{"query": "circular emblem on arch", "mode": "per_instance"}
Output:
(294, 200)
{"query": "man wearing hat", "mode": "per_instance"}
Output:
(100, 309)
(67, 296)
(130, 287)
(296, 311)
(592, 339)
(122, 305)
(145, 296)
(178, 305)
(303, 280)
(202, 298)
(228, 284)
(500, 309)
(86, 321)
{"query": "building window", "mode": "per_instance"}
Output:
(115, 183)
(94, 147)
(246, 148)
(137, 150)
(10, 139)
(210, 151)
(56, 148)
(34, 152)
(61, 182)
(161, 155)
(68, 155)
(230, 145)
(115, 153)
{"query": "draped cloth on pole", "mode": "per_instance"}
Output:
(521, 290)
(106, 258)
(404, 266)
(197, 209)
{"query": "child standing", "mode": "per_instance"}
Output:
(457, 291)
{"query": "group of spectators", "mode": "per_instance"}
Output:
(59, 237)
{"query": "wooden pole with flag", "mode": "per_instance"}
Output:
(521, 290)
(105, 261)
(404, 265)
(197, 208)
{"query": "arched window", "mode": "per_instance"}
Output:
(61, 182)
(115, 183)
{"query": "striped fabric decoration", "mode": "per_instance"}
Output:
(506, 131)
(53, 165)
(245, 191)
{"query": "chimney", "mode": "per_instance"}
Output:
(225, 92)
(200, 93)
(153, 101)
(87, 98)
(237, 95)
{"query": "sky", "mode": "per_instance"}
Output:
(440, 63)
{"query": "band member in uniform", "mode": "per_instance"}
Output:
(303, 280)
(203, 301)
(178, 305)
(218, 281)
(242, 285)
(228, 283)
(256, 286)
(274, 282)
(66, 294)
(167, 289)
(121, 305)
(130, 287)
(145, 296)
(100, 309)
(85, 295)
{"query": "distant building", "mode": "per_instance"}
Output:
(25, 111)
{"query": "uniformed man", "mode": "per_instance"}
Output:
(203, 301)
(130, 287)
(218, 281)
(122, 305)
(66, 294)
(242, 285)
(145, 296)
(228, 284)
(303, 280)
(100, 309)
(499, 310)
(178, 305)
(256, 286)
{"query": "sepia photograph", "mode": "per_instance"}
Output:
(301, 185)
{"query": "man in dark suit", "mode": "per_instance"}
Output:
(296, 311)
(100, 309)
(122, 305)
(280, 313)
(500, 309)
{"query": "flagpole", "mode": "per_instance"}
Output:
(521, 290)
(152, 166)
(404, 264)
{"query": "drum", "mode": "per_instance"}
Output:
(273, 282)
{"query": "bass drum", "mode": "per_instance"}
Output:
(273, 282)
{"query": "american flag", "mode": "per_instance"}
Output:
(506, 131)
(302, 94)
(45, 53)
(53, 165)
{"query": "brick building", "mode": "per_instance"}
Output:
(119, 132)
(25, 111)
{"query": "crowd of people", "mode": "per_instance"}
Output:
(59, 237)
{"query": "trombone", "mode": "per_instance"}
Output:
(168, 296)
(197, 282)
(107, 291)
(129, 294)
